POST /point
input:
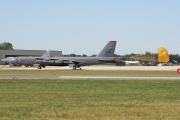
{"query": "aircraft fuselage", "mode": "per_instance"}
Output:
(81, 61)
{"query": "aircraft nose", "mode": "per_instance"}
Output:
(3, 62)
(12, 61)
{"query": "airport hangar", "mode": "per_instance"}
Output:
(33, 53)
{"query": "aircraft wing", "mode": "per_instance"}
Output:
(72, 61)
(40, 58)
(78, 61)
(106, 60)
(45, 58)
(63, 60)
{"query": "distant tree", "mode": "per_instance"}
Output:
(132, 54)
(6, 46)
(78, 56)
(84, 55)
(148, 53)
(175, 58)
(72, 55)
(94, 55)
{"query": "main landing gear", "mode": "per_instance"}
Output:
(75, 67)
(39, 67)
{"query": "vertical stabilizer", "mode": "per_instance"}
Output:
(46, 54)
(108, 50)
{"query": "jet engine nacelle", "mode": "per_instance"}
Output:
(38, 61)
(42, 61)
(54, 62)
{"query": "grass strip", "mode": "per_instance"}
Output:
(89, 99)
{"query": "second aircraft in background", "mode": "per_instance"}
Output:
(27, 61)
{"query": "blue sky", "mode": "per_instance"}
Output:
(85, 26)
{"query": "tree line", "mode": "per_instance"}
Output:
(148, 56)
(151, 57)
(6, 46)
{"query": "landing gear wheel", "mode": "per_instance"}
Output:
(74, 67)
(39, 67)
(79, 67)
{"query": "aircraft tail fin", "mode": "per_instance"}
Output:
(163, 55)
(108, 50)
(46, 54)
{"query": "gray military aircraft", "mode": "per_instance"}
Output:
(7, 61)
(105, 56)
(27, 61)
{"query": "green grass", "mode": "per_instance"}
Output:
(89, 99)
(93, 72)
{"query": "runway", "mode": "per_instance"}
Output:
(96, 67)
(86, 77)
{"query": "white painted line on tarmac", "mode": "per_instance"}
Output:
(119, 77)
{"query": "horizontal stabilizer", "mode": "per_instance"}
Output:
(46, 54)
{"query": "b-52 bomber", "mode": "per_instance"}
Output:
(105, 56)
(7, 61)
(23, 60)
